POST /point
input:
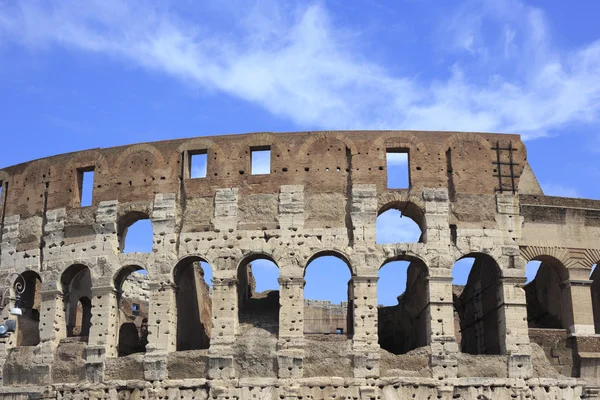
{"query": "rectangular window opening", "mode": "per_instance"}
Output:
(398, 175)
(86, 186)
(135, 309)
(198, 163)
(261, 160)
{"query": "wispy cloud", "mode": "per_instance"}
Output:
(296, 63)
(556, 189)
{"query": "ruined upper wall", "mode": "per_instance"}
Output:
(324, 162)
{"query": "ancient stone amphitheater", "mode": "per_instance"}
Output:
(93, 329)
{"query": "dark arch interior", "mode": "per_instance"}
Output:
(544, 296)
(478, 305)
(77, 294)
(595, 289)
(194, 304)
(133, 302)
(258, 308)
(402, 326)
(328, 295)
(30, 303)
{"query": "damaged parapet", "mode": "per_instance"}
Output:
(101, 323)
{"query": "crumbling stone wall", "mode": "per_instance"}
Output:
(471, 193)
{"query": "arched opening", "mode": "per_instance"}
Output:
(545, 308)
(595, 290)
(133, 300)
(76, 284)
(192, 277)
(328, 296)
(478, 300)
(258, 293)
(28, 333)
(400, 222)
(402, 295)
(135, 233)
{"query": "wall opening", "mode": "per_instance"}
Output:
(28, 333)
(133, 298)
(544, 295)
(403, 306)
(595, 290)
(260, 160)
(328, 296)
(394, 227)
(198, 163)
(135, 233)
(193, 282)
(85, 178)
(76, 284)
(478, 300)
(258, 293)
(398, 172)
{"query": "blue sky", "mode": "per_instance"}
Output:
(109, 73)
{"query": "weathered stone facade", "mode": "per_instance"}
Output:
(472, 194)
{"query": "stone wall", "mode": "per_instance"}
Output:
(471, 195)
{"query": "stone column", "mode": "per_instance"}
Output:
(224, 328)
(53, 328)
(365, 345)
(513, 326)
(162, 328)
(444, 345)
(577, 299)
(291, 327)
(102, 341)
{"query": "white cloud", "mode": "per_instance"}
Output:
(298, 65)
(555, 189)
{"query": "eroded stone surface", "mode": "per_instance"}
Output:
(322, 197)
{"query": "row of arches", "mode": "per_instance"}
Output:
(402, 296)
(396, 223)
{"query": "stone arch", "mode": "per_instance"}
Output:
(410, 210)
(127, 219)
(264, 139)
(90, 158)
(330, 252)
(322, 316)
(479, 307)
(548, 303)
(551, 254)
(465, 137)
(28, 333)
(193, 304)
(144, 147)
(397, 140)
(404, 327)
(326, 135)
(76, 282)
(213, 150)
(260, 309)
(132, 305)
(4, 176)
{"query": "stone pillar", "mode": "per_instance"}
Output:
(513, 326)
(444, 345)
(291, 327)
(365, 345)
(102, 341)
(53, 328)
(577, 299)
(162, 328)
(224, 328)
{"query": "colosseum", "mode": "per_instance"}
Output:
(92, 327)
